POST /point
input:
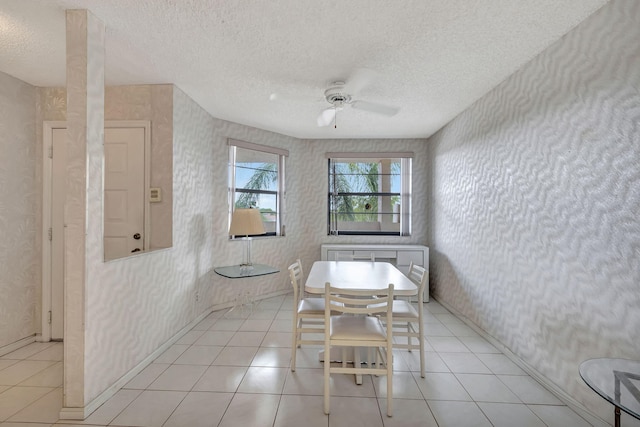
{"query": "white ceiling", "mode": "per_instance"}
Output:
(432, 58)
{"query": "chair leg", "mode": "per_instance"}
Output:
(421, 344)
(389, 382)
(409, 336)
(327, 380)
(294, 343)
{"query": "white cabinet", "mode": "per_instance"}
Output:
(399, 255)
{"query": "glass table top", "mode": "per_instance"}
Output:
(239, 271)
(616, 380)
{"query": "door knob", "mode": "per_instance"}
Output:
(136, 236)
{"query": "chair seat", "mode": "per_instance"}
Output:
(402, 308)
(346, 327)
(311, 306)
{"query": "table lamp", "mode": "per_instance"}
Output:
(246, 222)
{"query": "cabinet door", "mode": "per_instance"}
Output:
(406, 257)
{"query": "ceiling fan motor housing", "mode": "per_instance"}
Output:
(336, 96)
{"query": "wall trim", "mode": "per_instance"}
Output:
(17, 344)
(578, 407)
(71, 413)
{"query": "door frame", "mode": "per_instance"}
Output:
(48, 127)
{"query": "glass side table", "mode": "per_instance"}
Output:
(240, 272)
(617, 381)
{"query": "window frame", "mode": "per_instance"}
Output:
(280, 193)
(404, 216)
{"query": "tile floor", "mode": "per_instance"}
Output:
(234, 371)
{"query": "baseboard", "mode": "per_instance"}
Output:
(84, 412)
(16, 345)
(580, 409)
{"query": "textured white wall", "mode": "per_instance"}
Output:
(535, 231)
(19, 259)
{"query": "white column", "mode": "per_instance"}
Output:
(85, 130)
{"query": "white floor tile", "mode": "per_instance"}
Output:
(200, 409)
(277, 339)
(404, 386)
(221, 379)
(305, 382)
(301, 411)
(227, 325)
(190, 337)
(255, 325)
(246, 339)
(54, 352)
(500, 364)
(509, 415)
(407, 413)
(236, 356)
(150, 409)
(172, 353)
(263, 380)
(273, 357)
(478, 345)
(558, 416)
(487, 388)
(352, 411)
(112, 407)
(199, 355)
(44, 410)
(458, 414)
(16, 399)
(147, 376)
(236, 369)
(447, 344)
(28, 350)
(466, 363)
(529, 390)
(178, 378)
(251, 410)
(19, 372)
(49, 377)
(219, 338)
(441, 386)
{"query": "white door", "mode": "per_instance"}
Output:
(123, 192)
(58, 193)
(124, 201)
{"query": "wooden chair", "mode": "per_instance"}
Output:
(358, 326)
(306, 312)
(405, 315)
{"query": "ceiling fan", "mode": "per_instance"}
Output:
(342, 94)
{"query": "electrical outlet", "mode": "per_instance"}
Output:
(197, 296)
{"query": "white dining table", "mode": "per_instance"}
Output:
(357, 275)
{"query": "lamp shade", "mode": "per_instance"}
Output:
(246, 222)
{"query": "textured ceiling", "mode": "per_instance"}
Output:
(431, 59)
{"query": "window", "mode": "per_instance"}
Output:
(369, 194)
(256, 180)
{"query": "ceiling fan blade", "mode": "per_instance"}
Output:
(385, 110)
(361, 78)
(326, 117)
(289, 97)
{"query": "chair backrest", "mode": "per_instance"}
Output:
(295, 275)
(352, 301)
(418, 275)
(341, 256)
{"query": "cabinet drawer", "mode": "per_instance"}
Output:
(377, 253)
(332, 255)
(406, 257)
